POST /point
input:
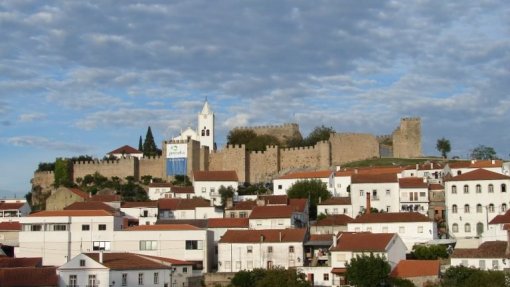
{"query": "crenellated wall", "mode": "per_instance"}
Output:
(44, 179)
(263, 165)
(407, 138)
(152, 166)
(232, 157)
(347, 147)
(300, 157)
(120, 168)
(282, 132)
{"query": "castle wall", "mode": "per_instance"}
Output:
(193, 157)
(263, 166)
(204, 158)
(300, 157)
(152, 166)
(347, 147)
(282, 132)
(232, 157)
(407, 138)
(120, 168)
(44, 179)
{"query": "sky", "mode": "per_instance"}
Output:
(86, 77)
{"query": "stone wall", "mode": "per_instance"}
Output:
(232, 157)
(152, 166)
(407, 138)
(120, 168)
(282, 132)
(347, 147)
(262, 166)
(44, 179)
(299, 157)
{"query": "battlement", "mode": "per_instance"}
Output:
(235, 146)
(43, 173)
(105, 162)
(285, 125)
(156, 157)
(269, 147)
(176, 142)
(410, 119)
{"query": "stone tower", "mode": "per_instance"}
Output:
(407, 138)
(205, 127)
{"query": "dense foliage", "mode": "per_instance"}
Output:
(276, 277)
(483, 152)
(311, 189)
(318, 134)
(129, 189)
(149, 145)
(181, 180)
(226, 193)
(460, 276)
(251, 140)
(368, 271)
(443, 146)
(432, 252)
(63, 173)
(253, 189)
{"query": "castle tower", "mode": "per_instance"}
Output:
(205, 127)
(407, 138)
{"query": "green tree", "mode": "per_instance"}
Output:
(46, 166)
(226, 193)
(149, 146)
(457, 276)
(276, 277)
(140, 145)
(318, 134)
(483, 152)
(253, 189)
(63, 173)
(311, 189)
(443, 146)
(181, 180)
(432, 252)
(367, 271)
(240, 136)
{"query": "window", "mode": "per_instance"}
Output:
(385, 229)
(481, 264)
(92, 280)
(495, 264)
(85, 227)
(156, 278)
(466, 188)
(491, 207)
(73, 281)
(242, 214)
(326, 277)
(102, 227)
(387, 192)
(491, 188)
(454, 189)
(466, 208)
(212, 190)
(269, 264)
(503, 207)
(249, 249)
(207, 132)
(101, 245)
(82, 262)
(369, 229)
(361, 193)
(184, 269)
(204, 189)
(124, 279)
(478, 188)
(503, 187)
(455, 228)
(467, 227)
(203, 132)
(148, 245)
(280, 186)
(59, 227)
(270, 249)
(140, 278)
(238, 265)
(454, 208)
(422, 194)
(291, 249)
(420, 229)
(232, 214)
(35, 227)
(194, 244)
(401, 229)
(479, 208)
(335, 210)
(464, 262)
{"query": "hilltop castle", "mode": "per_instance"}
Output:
(195, 150)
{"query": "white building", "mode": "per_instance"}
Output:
(146, 212)
(383, 190)
(461, 167)
(412, 227)
(497, 229)
(283, 183)
(249, 249)
(126, 151)
(342, 181)
(490, 255)
(158, 190)
(205, 130)
(473, 199)
(123, 269)
(294, 215)
(414, 194)
(14, 208)
(335, 205)
(432, 172)
(207, 184)
(194, 208)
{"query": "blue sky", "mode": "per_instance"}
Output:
(85, 77)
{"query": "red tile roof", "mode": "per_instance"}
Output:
(374, 178)
(217, 175)
(160, 184)
(274, 211)
(162, 227)
(321, 237)
(476, 164)
(127, 261)
(416, 268)
(363, 241)
(436, 186)
(105, 198)
(9, 262)
(79, 192)
(243, 205)
(412, 182)
(182, 204)
(378, 170)
(136, 204)
(479, 174)
(182, 189)
(168, 260)
(391, 217)
(29, 276)
(71, 213)
(228, 223)
(501, 219)
(266, 235)
(11, 205)
(275, 199)
(125, 150)
(90, 205)
(308, 174)
(299, 204)
(334, 220)
(10, 225)
(337, 201)
(488, 249)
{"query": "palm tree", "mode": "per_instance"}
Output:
(443, 146)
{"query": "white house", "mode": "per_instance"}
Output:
(331, 224)
(473, 199)
(412, 227)
(126, 151)
(194, 208)
(432, 172)
(249, 249)
(280, 216)
(205, 129)
(146, 212)
(207, 183)
(335, 205)
(382, 189)
(158, 190)
(490, 255)
(342, 181)
(461, 167)
(123, 269)
(496, 230)
(283, 183)
(14, 208)
(414, 194)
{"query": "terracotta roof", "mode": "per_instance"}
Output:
(243, 205)
(275, 199)
(182, 189)
(125, 150)
(10, 225)
(363, 241)
(135, 204)
(412, 182)
(9, 262)
(11, 205)
(160, 184)
(105, 198)
(332, 220)
(168, 260)
(391, 217)
(426, 166)
(321, 237)
(217, 175)
(436, 186)
(28, 276)
(199, 223)
(377, 170)
(79, 192)
(228, 223)
(374, 178)
(488, 249)
(501, 218)
(342, 173)
(266, 235)
(479, 174)
(416, 268)
(299, 204)
(273, 211)
(71, 213)
(476, 164)
(162, 227)
(90, 205)
(337, 201)
(308, 174)
(182, 204)
(127, 261)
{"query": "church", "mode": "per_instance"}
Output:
(204, 132)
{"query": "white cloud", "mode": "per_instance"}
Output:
(45, 143)
(31, 117)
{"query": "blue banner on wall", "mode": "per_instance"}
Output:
(176, 166)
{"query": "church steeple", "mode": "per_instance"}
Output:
(206, 126)
(206, 110)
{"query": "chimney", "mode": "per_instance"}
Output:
(230, 202)
(355, 171)
(261, 238)
(334, 240)
(431, 165)
(101, 256)
(493, 162)
(367, 211)
(280, 236)
(320, 200)
(417, 166)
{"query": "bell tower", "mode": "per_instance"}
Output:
(205, 127)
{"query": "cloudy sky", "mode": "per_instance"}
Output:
(86, 77)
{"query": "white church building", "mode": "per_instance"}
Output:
(205, 130)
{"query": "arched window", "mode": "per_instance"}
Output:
(467, 227)
(466, 208)
(454, 189)
(459, 172)
(454, 208)
(478, 188)
(491, 207)
(479, 208)
(203, 132)
(503, 187)
(503, 207)
(207, 132)
(455, 228)
(466, 188)
(479, 228)
(491, 188)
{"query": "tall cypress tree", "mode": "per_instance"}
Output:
(140, 145)
(149, 146)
